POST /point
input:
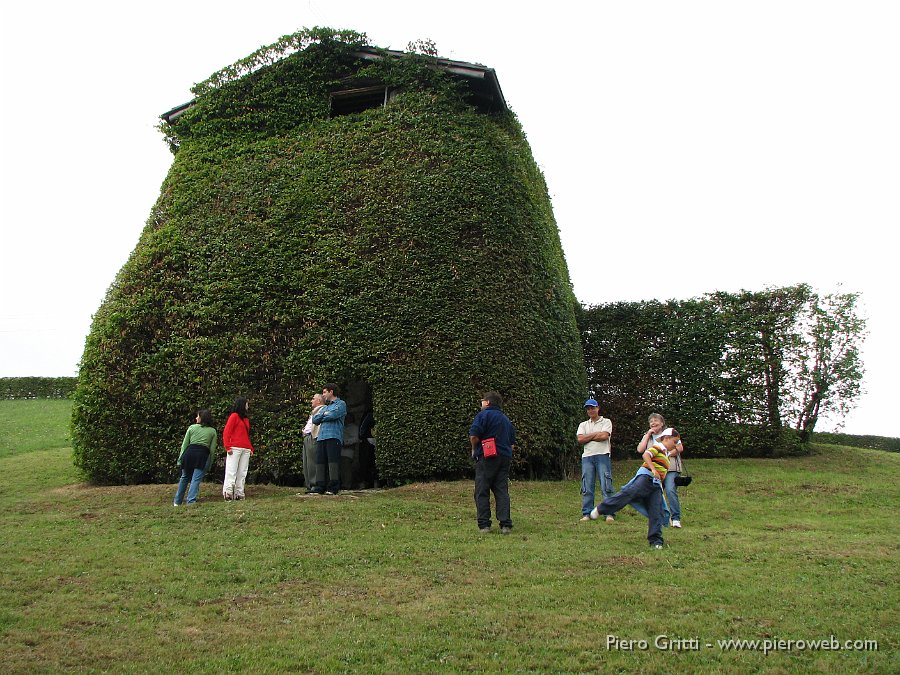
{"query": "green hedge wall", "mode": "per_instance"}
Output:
(411, 246)
(692, 362)
(36, 387)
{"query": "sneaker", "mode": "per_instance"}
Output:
(505, 530)
(584, 518)
(484, 530)
(175, 504)
(595, 514)
(330, 493)
(676, 523)
(610, 519)
(656, 546)
(228, 497)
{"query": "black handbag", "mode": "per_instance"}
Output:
(683, 479)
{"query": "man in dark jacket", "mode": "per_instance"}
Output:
(492, 471)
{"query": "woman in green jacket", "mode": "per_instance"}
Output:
(196, 456)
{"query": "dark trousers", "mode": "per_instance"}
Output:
(642, 488)
(492, 475)
(328, 463)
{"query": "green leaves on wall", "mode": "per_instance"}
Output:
(410, 246)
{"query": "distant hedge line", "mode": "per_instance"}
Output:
(856, 441)
(15, 388)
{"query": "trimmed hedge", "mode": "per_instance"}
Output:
(689, 361)
(412, 247)
(37, 387)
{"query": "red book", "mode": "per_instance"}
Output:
(489, 447)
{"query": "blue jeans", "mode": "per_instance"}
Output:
(194, 490)
(642, 489)
(672, 494)
(592, 468)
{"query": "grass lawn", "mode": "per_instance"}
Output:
(34, 425)
(115, 578)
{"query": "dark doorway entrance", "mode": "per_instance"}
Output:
(358, 455)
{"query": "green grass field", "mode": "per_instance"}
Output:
(33, 425)
(116, 579)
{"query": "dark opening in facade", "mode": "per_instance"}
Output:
(358, 454)
(349, 101)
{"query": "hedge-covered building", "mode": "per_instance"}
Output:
(338, 212)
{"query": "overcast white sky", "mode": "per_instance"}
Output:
(758, 140)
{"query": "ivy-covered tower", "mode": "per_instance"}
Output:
(337, 212)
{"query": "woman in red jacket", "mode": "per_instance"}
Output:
(236, 439)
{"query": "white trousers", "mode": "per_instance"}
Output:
(236, 465)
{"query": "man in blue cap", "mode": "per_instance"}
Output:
(593, 434)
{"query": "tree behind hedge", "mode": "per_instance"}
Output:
(411, 246)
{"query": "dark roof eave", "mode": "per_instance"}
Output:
(171, 115)
(473, 71)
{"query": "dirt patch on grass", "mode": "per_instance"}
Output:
(238, 600)
(625, 561)
(435, 490)
(822, 489)
(71, 581)
(156, 494)
(299, 587)
(81, 489)
(790, 527)
(754, 489)
(80, 624)
(779, 487)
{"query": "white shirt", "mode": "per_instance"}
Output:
(312, 429)
(592, 448)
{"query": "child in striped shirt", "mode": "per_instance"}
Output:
(645, 488)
